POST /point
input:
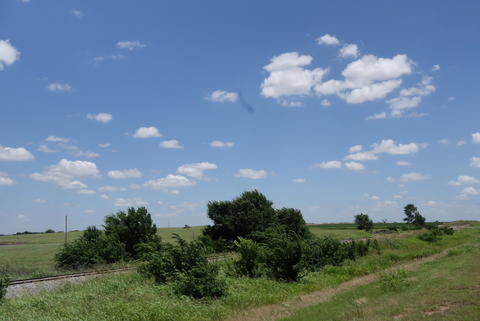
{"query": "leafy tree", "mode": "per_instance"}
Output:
(250, 212)
(250, 259)
(49, 231)
(292, 220)
(363, 222)
(413, 216)
(201, 281)
(283, 257)
(131, 228)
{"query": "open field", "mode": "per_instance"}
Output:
(30, 255)
(133, 297)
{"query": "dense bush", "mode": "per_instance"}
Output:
(202, 281)
(251, 257)
(435, 233)
(4, 281)
(171, 260)
(131, 228)
(283, 257)
(363, 222)
(292, 221)
(91, 248)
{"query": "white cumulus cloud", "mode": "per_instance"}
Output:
(476, 138)
(130, 45)
(147, 132)
(411, 97)
(8, 54)
(475, 162)
(412, 177)
(464, 180)
(328, 39)
(349, 50)
(299, 180)
(354, 166)
(65, 173)
(15, 154)
(171, 144)
(169, 183)
(5, 180)
(221, 96)
(101, 117)
(57, 139)
(129, 202)
(387, 146)
(125, 173)
(196, 170)
(59, 87)
(329, 164)
(251, 173)
(221, 144)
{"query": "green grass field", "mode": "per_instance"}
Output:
(133, 297)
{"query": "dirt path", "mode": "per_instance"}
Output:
(280, 310)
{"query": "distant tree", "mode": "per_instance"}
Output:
(131, 228)
(413, 216)
(49, 231)
(363, 222)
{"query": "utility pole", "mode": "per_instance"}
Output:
(66, 218)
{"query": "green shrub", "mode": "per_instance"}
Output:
(283, 258)
(170, 260)
(251, 255)
(363, 222)
(4, 281)
(202, 281)
(430, 236)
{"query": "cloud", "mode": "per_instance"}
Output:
(464, 180)
(251, 173)
(412, 177)
(109, 189)
(325, 103)
(467, 192)
(287, 76)
(147, 132)
(104, 145)
(349, 50)
(443, 141)
(327, 39)
(39, 201)
(100, 59)
(171, 144)
(64, 174)
(221, 96)
(130, 45)
(126, 173)
(403, 163)
(476, 138)
(354, 166)
(196, 169)
(475, 162)
(410, 97)
(57, 139)
(15, 154)
(436, 68)
(299, 180)
(8, 54)
(59, 87)
(329, 164)
(45, 149)
(86, 192)
(461, 143)
(387, 146)
(381, 115)
(5, 180)
(101, 117)
(170, 183)
(77, 152)
(77, 13)
(130, 202)
(221, 144)
(355, 149)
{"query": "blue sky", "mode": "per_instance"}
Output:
(335, 108)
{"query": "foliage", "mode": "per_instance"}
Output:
(131, 228)
(4, 281)
(91, 248)
(363, 222)
(251, 256)
(283, 257)
(171, 260)
(292, 220)
(435, 233)
(202, 281)
(49, 231)
(413, 216)
(394, 280)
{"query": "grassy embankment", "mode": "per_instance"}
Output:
(446, 289)
(132, 297)
(32, 255)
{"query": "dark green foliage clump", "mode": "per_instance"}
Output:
(4, 281)
(93, 247)
(435, 233)
(131, 228)
(413, 216)
(49, 231)
(363, 222)
(201, 281)
(283, 257)
(249, 216)
(251, 257)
